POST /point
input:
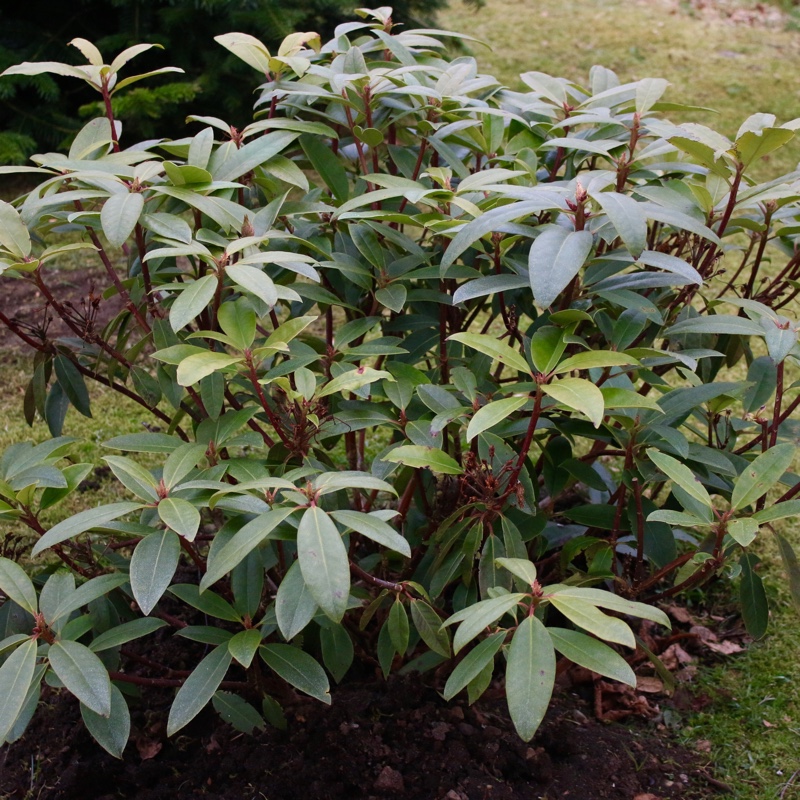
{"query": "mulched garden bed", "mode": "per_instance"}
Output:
(379, 740)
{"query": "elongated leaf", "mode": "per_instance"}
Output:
(352, 380)
(196, 367)
(627, 218)
(181, 462)
(17, 586)
(579, 394)
(604, 599)
(717, 323)
(208, 602)
(398, 627)
(762, 475)
(494, 348)
(243, 646)
(294, 605)
(82, 522)
(428, 625)
(237, 712)
(251, 155)
(255, 281)
(682, 476)
(592, 359)
(14, 235)
(593, 655)
(590, 618)
(199, 688)
(191, 301)
(73, 384)
(127, 632)
(152, 567)
(419, 456)
(530, 675)
(556, 257)
(492, 414)
(16, 675)
(119, 216)
(473, 664)
(299, 669)
(791, 565)
(323, 562)
(477, 617)
(241, 543)
(87, 592)
(789, 508)
(755, 609)
(110, 732)
(83, 673)
(375, 528)
(521, 567)
(180, 515)
(327, 165)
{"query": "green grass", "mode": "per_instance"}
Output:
(753, 722)
(736, 70)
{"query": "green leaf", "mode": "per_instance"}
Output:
(593, 655)
(294, 605)
(580, 395)
(743, 531)
(235, 550)
(353, 379)
(298, 669)
(253, 280)
(393, 297)
(628, 219)
(755, 609)
(752, 146)
(790, 508)
(648, 92)
(520, 567)
(239, 323)
(73, 384)
(791, 565)
(679, 518)
(329, 167)
(429, 627)
(762, 475)
(493, 413)
(16, 675)
(493, 348)
(152, 567)
(243, 646)
(604, 599)
(374, 527)
(17, 586)
(110, 732)
(614, 397)
(237, 712)
(716, 323)
(191, 301)
(14, 236)
(124, 633)
(323, 562)
(199, 688)
(398, 627)
(180, 462)
(179, 515)
(337, 650)
(590, 618)
(556, 257)
(681, 475)
(197, 366)
(119, 216)
(592, 359)
(478, 617)
(83, 673)
(87, 592)
(530, 675)
(419, 456)
(473, 664)
(82, 522)
(133, 477)
(208, 602)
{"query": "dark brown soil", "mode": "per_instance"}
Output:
(381, 741)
